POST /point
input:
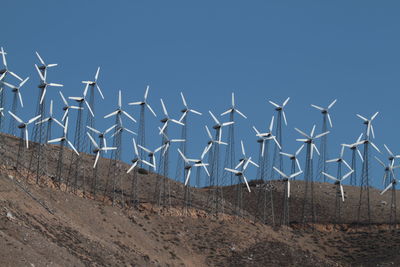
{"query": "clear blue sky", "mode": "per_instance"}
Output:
(312, 51)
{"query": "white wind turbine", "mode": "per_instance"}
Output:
(388, 175)
(241, 174)
(144, 102)
(294, 158)
(119, 111)
(368, 123)
(325, 111)
(93, 84)
(310, 139)
(45, 84)
(137, 160)
(189, 164)
(339, 182)
(151, 154)
(98, 150)
(167, 142)
(286, 179)
(218, 126)
(167, 119)
(267, 136)
(6, 70)
(16, 90)
(102, 135)
(44, 66)
(24, 126)
(67, 107)
(63, 139)
(211, 142)
(81, 99)
(49, 121)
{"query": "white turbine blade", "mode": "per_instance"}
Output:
(316, 149)
(97, 158)
(55, 85)
(322, 134)
(312, 131)
(381, 162)
(59, 123)
(226, 112)
(51, 108)
(111, 114)
(295, 174)
(23, 82)
(129, 131)
(329, 119)
(227, 123)
(332, 104)
(188, 177)
(15, 75)
(206, 170)
(3, 54)
(20, 99)
(206, 149)
(243, 151)
(15, 117)
(280, 172)
(330, 176)
(86, 89)
(346, 175)
(246, 163)
(387, 188)
(247, 184)
(374, 116)
(257, 132)
(298, 164)
(239, 164)
(43, 94)
(388, 150)
(135, 147)
(359, 154)
(333, 160)
(146, 93)
(26, 137)
(164, 108)
(40, 59)
(52, 65)
(177, 122)
(109, 129)
(183, 100)
(108, 148)
(208, 133)
(271, 124)
(274, 104)
(299, 150)
(163, 127)
(100, 92)
(9, 85)
(119, 99)
(43, 121)
(302, 140)
(286, 154)
(66, 127)
(93, 129)
(97, 74)
(317, 107)
(55, 140)
(72, 146)
(145, 149)
(63, 98)
(372, 130)
(347, 165)
(90, 109)
(276, 142)
(232, 170)
(151, 110)
(154, 161)
(342, 152)
(129, 116)
(148, 163)
(183, 156)
(375, 147)
(132, 167)
(65, 115)
(240, 113)
(302, 133)
(92, 140)
(214, 118)
(195, 112)
(135, 103)
(284, 117)
(253, 163)
(359, 138)
(342, 192)
(362, 117)
(285, 103)
(233, 99)
(288, 189)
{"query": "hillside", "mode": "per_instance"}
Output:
(41, 225)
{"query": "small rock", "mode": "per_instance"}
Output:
(11, 177)
(10, 216)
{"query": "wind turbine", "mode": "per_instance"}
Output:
(17, 95)
(137, 160)
(142, 126)
(184, 130)
(44, 66)
(45, 84)
(63, 142)
(98, 150)
(326, 117)
(230, 149)
(391, 159)
(368, 122)
(189, 164)
(23, 126)
(151, 154)
(49, 120)
(308, 204)
(90, 86)
(102, 135)
(294, 159)
(339, 192)
(277, 157)
(354, 150)
(167, 119)
(286, 194)
(388, 175)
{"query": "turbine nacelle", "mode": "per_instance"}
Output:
(22, 126)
